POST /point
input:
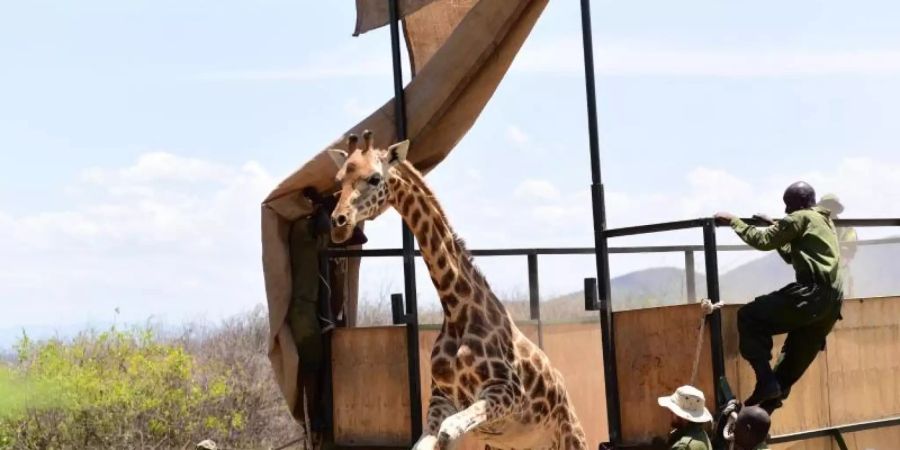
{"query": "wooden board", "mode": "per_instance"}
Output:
(654, 356)
(808, 405)
(879, 439)
(864, 361)
(809, 444)
(857, 378)
(576, 351)
(371, 387)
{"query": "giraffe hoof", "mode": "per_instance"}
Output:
(443, 441)
(426, 443)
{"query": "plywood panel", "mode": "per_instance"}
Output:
(864, 361)
(576, 351)
(808, 405)
(858, 378)
(654, 355)
(809, 444)
(730, 348)
(880, 439)
(371, 389)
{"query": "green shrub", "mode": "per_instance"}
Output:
(135, 389)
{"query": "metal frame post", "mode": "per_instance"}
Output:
(534, 296)
(690, 274)
(710, 253)
(326, 400)
(409, 266)
(601, 249)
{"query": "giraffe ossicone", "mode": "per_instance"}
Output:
(487, 378)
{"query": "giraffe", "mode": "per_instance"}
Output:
(487, 378)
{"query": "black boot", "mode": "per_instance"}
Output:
(771, 405)
(767, 386)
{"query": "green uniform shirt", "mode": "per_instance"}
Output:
(847, 237)
(806, 239)
(692, 437)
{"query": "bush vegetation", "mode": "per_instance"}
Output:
(140, 388)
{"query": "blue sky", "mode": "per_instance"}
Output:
(138, 138)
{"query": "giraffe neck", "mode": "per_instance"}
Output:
(455, 277)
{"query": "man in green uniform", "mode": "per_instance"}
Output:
(806, 309)
(847, 237)
(689, 418)
(751, 429)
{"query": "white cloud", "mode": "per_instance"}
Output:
(537, 190)
(515, 135)
(563, 56)
(357, 110)
(166, 236)
(160, 166)
(156, 240)
(352, 60)
(868, 188)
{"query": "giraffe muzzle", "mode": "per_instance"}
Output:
(339, 220)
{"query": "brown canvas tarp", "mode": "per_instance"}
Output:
(464, 50)
(372, 14)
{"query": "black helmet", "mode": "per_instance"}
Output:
(751, 427)
(799, 195)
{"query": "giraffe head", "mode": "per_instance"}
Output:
(363, 176)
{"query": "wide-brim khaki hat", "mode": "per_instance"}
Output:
(832, 203)
(688, 403)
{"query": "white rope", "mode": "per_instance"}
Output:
(730, 411)
(707, 307)
(307, 428)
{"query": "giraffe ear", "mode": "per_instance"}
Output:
(338, 156)
(396, 153)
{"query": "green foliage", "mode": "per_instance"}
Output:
(123, 389)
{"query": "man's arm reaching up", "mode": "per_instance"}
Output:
(769, 238)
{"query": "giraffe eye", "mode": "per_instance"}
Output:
(374, 180)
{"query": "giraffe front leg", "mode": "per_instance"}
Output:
(494, 402)
(439, 408)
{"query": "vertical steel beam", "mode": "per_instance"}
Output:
(600, 243)
(710, 254)
(409, 265)
(690, 274)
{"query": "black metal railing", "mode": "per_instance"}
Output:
(597, 296)
(402, 315)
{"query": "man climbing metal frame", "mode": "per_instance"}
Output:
(806, 309)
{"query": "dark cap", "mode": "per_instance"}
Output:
(799, 195)
(751, 427)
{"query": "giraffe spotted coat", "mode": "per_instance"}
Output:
(487, 378)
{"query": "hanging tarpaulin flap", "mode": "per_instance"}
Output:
(372, 14)
(427, 29)
(442, 103)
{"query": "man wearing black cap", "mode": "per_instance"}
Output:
(806, 309)
(751, 429)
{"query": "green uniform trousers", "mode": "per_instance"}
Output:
(805, 312)
(303, 313)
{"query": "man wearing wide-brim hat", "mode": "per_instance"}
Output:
(847, 238)
(689, 419)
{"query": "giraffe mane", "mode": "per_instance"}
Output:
(412, 175)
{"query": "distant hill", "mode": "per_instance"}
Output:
(872, 269)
